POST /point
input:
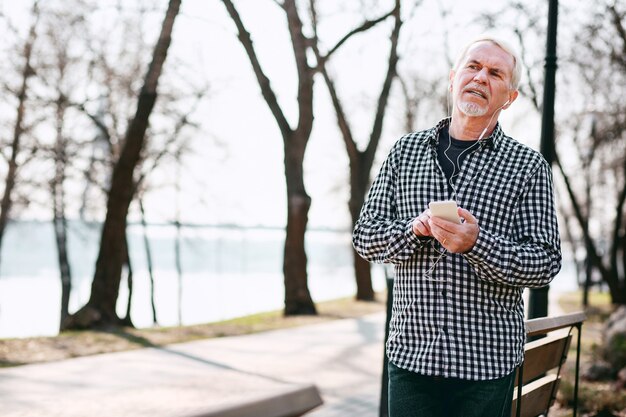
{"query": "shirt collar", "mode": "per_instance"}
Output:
(491, 141)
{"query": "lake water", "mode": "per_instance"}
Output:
(227, 272)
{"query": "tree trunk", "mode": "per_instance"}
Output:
(297, 296)
(100, 309)
(623, 251)
(616, 239)
(60, 229)
(359, 180)
(179, 271)
(177, 252)
(146, 244)
(127, 320)
(58, 208)
(360, 161)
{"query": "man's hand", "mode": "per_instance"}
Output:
(421, 224)
(456, 238)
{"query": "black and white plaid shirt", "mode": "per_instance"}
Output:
(464, 319)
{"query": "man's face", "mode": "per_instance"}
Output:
(481, 85)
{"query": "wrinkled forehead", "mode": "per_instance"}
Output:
(490, 54)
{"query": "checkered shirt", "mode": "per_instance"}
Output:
(467, 319)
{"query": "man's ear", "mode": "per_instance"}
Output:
(451, 80)
(512, 97)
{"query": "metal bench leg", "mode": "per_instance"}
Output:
(579, 328)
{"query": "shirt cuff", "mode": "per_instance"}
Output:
(414, 240)
(485, 244)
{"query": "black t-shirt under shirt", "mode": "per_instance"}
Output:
(454, 150)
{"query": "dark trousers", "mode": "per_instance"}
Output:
(414, 395)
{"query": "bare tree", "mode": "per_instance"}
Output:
(361, 161)
(100, 309)
(297, 296)
(109, 97)
(603, 153)
(57, 185)
(111, 75)
(59, 216)
(56, 62)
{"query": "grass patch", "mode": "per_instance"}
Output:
(14, 352)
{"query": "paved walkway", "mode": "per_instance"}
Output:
(342, 358)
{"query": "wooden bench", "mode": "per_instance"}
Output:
(292, 402)
(539, 375)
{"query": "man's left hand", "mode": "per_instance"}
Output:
(456, 238)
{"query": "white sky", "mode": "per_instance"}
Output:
(242, 180)
(248, 187)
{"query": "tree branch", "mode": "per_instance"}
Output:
(410, 105)
(593, 255)
(377, 129)
(534, 96)
(300, 45)
(182, 122)
(617, 22)
(368, 24)
(99, 123)
(342, 121)
(263, 80)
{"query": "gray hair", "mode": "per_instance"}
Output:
(516, 74)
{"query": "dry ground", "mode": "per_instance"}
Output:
(15, 352)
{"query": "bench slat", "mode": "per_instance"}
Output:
(545, 325)
(536, 396)
(544, 354)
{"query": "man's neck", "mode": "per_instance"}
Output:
(464, 127)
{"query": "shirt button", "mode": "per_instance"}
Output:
(444, 293)
(445, 329)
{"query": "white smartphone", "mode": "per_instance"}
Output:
(446, 210)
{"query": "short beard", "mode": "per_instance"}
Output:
(472, 109)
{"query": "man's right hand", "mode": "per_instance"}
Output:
(420, 224)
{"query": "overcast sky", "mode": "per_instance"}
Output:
(248, 186)
(235, 173)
